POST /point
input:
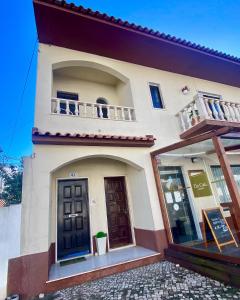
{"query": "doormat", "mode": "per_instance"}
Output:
(71, 261)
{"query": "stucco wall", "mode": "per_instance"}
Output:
(162, 123)
(10, 219)
(37, 198)
(88, 91)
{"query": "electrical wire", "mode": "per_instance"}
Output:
(21, 98)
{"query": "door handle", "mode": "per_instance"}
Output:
(73, 215)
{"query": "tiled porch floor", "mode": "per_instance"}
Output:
(99, 262)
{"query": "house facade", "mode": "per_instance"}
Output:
(108, 94)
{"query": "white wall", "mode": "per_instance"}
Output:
(48, 159)
(88, 91)
(10, 220)
(163, 124)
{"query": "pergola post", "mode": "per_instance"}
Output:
(229, 178)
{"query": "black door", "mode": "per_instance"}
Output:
(178, 206)
(73, 234)
(119, 228)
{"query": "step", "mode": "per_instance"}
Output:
(55, 285)
(223, 271)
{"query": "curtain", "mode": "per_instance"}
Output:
(220, 183)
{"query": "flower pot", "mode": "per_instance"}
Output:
(101, 245)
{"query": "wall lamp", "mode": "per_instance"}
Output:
(185, 90)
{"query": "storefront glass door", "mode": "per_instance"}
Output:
(178, 206)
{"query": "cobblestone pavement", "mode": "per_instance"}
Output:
(162, 280)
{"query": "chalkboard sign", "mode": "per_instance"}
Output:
(214, 220)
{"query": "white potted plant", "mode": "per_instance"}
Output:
(101, 242)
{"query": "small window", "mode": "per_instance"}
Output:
(104, 109)
(156, 96)
(67, 96)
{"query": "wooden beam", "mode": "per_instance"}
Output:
(232, 148)
(161, 199)
(229, 178)
(192, 140)
(208, 126)
(228, 148)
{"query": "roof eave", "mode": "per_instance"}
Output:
(121, 42)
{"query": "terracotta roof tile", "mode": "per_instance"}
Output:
(3, 203)
(46, 134)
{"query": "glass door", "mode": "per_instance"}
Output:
(177, 203)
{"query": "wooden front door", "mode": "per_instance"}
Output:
(73, 234)
(119, 228)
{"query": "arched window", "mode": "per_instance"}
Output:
(103, 101)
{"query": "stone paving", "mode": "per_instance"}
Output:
(163, 280)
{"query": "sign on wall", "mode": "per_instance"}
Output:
(200, 184)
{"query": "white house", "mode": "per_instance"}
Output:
(108, 94)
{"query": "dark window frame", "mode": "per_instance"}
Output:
(67, 96)
(161, 105)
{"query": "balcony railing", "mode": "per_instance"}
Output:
(212, 108)
(92, 110)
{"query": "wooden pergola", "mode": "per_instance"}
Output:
(217, 136)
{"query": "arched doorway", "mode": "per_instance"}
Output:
(96, 194)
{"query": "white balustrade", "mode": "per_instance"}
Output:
(92, 110)
(206, 107)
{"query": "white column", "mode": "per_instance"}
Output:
(214, 111)
(219, 110)
(129, 114)
(115, 113)
(93, 110)
(187, 118)
(76, 108)
(226, 111)
(108, 112)
(122, 112)
(182, 120)
(100, 111)
(201, 107)
(85, 110)
(67, 107)
(236, 111)
(58, 106)
(210, 115)
(231, 111)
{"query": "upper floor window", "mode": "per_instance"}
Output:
(156, 96)
(67, 96)
(102, 111)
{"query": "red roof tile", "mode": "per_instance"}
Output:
(90, 139)
(3, 203)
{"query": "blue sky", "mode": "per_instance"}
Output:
(213, 23)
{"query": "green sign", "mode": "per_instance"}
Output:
(200, 185)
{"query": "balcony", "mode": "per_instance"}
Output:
(208, 112)
(80, 109)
